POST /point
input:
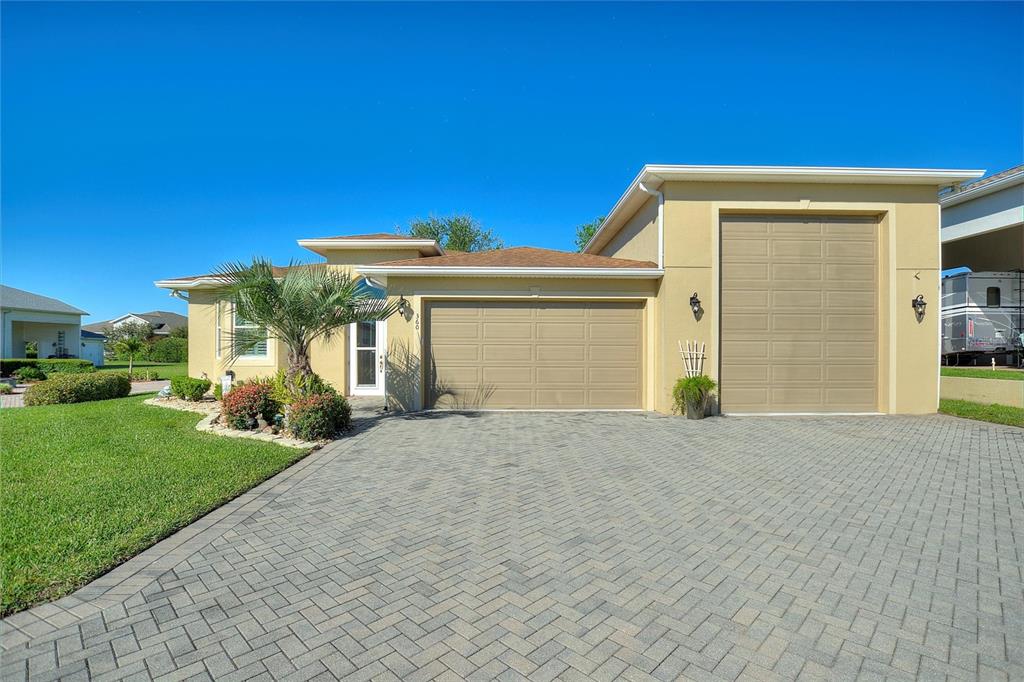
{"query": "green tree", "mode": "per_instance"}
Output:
(130, 347)
(307, 303)
(460, 232)
(142, 331)
(586, 231)
(179, 333)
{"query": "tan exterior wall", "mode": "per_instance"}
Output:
(405, 373)
(997, 251)
(908, 265)
(202, 342)
(349, 257)
(638, 238)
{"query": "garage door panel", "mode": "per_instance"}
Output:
(796, 248)
(547, 352)
(799, 320)
(615, 354)
(552, 331)
(457, 331)
(796, 272)
(556, 399)
(507, 352)
(532, 354)
(507, 376)
(797, 298)
(498, 331)
(751, 350)
(457, 352)
(561, 376)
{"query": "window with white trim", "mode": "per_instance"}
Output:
(244, 331)
(218, 312)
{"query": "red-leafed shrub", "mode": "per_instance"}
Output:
(243, 405)
(319, 416)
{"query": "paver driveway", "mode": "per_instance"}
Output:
(583, 546)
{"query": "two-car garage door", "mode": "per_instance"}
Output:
(799, 314)
(533, 354)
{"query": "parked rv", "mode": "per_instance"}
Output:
(982, 314)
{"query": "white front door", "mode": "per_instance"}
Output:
(366, 357)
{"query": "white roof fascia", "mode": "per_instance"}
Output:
(653, 176)
(468, 271)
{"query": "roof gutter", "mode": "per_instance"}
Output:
(661, 220)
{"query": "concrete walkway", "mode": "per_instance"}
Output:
(17, 399)
(581, 546)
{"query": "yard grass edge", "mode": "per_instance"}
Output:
(994, 413)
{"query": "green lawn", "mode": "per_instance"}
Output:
(997, 414)
(165, 369)
(87, 486)
(983, 373)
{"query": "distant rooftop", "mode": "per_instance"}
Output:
(20, 299)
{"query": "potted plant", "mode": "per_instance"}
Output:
(691, 394)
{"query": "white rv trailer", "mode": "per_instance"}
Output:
(982, 315)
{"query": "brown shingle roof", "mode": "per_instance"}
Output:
(520, 257)
(279, 271)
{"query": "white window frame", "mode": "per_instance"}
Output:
(218, 312)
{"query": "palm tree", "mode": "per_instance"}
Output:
(296, 305)
(130, 346)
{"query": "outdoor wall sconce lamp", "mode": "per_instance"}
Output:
(403, 306)
(695, 304)
(919, 304)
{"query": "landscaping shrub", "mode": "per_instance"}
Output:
(144, 375)
(245, 403)
(319, 416)
(30, 374)
(78, 388)
(218, 390)
(189, 388)
(5, 389)
(169, 350)
(8, 366)
(313, 384)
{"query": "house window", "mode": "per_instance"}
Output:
(217, 312)
(992, 297)
(245, 332)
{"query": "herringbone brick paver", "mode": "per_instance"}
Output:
(581, 546)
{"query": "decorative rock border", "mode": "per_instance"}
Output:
(212, 412)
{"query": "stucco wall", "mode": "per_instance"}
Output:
(202, 342)
(908, 265)
(986, 391)
(638, 238)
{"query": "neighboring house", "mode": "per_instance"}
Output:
(163, 322)
(92, 347)
(983, 224)
(54, 326)
(799, 281)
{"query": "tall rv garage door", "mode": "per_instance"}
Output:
(529, 354)
(799, 314)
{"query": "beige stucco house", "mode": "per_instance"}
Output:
(798, 281)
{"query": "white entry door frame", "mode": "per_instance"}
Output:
(367, 357)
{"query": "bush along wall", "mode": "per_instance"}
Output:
(52, 366)
(77, 388)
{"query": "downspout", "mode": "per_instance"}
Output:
(661, 220)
